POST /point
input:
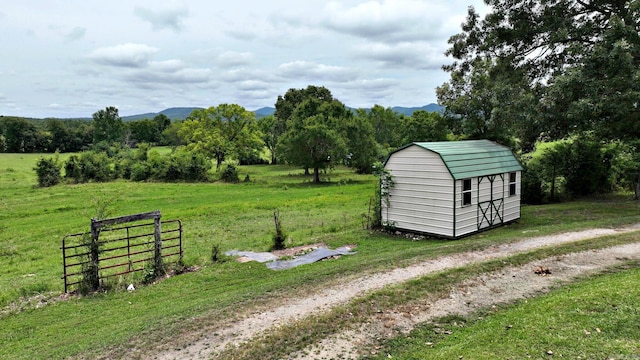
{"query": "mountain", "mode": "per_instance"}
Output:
(265, 111)
(181, 113)
(410, 110)
(174, 113)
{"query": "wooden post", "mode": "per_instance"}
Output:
(157, 234)
(94, 257)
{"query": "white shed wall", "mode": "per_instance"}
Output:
(466, 216)
(512, 203)
(422, 197)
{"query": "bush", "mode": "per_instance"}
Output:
(48, 171)
(140, 171)
(89, 166)
(230, 173)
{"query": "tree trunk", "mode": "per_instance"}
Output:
(316, 175)
(306, 171)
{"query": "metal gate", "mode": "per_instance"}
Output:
(490, 201)
(116, 251)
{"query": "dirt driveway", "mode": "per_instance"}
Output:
(485, 290)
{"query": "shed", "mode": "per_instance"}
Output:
(452, 189)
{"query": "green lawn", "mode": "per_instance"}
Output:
(235, 216)
(598, 318)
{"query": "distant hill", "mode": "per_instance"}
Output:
(265, 111)
(174, 113)
(410, 110)
(181, 113)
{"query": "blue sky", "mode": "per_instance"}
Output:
(72, 58)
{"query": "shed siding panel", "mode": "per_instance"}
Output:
(466, 216)
(512, 203)
(421, 199)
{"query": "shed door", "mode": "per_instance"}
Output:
(490, 200)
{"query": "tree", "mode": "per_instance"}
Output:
(423, 126)
(144, 130)
(361, 144)
(315, 137)
(21, 135)
(385, 123)
(218, 132)
(581, 59)
(285, 107)
(61, 137)
(270, 135)
(162, 122)
(170, 136)
(485, 102)
(108, 126)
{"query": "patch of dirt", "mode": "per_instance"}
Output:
(487, 289)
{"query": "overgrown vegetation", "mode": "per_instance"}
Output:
(279, 237)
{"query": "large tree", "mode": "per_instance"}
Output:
(217, 132)
(108, 126)
(315, 137)
(285, 107)
(423, 126)
(385, 123)
(580, 59)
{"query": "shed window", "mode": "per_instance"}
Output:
(466, 192)
(512, 184)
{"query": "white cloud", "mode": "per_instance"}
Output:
(167, 18)
(124, 55)
(403, 55)
(234, 59)
(312, 71)
(145, 77)
(388, 20)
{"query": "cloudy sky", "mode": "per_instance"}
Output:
(71, 58)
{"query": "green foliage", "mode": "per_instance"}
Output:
(229, 172)
(315, 136)
(48, 171)
(89, 166)
(382, 195)
(385, 123)
(272, 128)
(423, 126)
(576, 167)
(553, 69)
(218, 132)
(361, 144)
(108, 126)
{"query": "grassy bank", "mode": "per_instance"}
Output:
(596, 318)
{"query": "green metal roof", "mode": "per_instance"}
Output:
(472, 158)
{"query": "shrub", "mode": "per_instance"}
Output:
(48, 171)
(140, 171)
(279, 236)
(229, 173)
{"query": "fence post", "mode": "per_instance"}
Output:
(158, 267)
(94, 277)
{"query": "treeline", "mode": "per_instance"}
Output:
(23, 135)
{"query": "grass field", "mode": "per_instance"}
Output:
(233, 216)
(597, 318)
